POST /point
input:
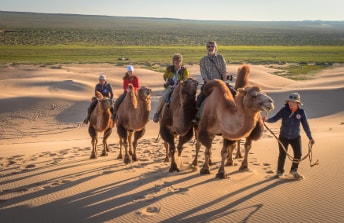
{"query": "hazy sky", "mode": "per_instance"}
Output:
(245, 10)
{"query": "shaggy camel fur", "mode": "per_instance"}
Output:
(100, 121)
(132, 117)
(176, 120)
(233, 118)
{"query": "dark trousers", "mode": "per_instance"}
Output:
(295, 145)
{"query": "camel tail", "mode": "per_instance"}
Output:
(242, 77)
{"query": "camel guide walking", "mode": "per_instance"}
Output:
(173, 74)
(129, 78)
(105, 89)
(292, 116)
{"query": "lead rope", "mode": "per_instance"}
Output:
(290, 157)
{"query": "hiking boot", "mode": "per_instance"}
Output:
(296, 175)
(156, 117)
(279, 174)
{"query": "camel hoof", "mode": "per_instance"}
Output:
(127, 159)
(210, 163)
(229, 164)
(173, 168)
(93, 156)
(120, 156)
(204, 171)
(166, 160)
(243, 168)
(104, 154)
(221, 175)
(134, 158)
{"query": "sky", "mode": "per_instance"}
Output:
(239, 10)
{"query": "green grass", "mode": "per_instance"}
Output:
(308, 59)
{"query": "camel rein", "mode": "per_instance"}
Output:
(309, 154)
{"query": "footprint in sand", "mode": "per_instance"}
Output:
(149, 211)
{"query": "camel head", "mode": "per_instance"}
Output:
(189, 86)
(254, 98)
(144, 93)
(130, 88)
(106, 102)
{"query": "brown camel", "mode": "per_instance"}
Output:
(132, 117)
(100, 121)
(233, 118)
(176, 120)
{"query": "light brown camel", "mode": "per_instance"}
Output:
(132, 117)
(233, 118)
(100, 121)
(176, 120)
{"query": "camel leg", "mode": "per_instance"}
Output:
(207, 141)
(169, 139)
(137, 136)
(184, 139)
(248, 146)
(231, 146)
(94, 141)
(195, 161)
(227, 149)
(238, 154)
(105, 145)
(168, 154)
(120, 156)
(130, 136)
(123, 134)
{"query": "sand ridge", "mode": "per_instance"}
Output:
(47, 176)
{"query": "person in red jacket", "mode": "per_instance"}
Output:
(129, 78)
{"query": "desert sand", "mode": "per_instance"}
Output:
(46, 174)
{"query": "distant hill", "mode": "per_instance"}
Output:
(20, 28)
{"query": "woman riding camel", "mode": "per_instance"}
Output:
(105, 89)
(173, 74)
(129, 78)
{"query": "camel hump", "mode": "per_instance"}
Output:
(99, 95)
(210, 85)
(242, 76)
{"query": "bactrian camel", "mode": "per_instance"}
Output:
(233, 118)
(132, 117)
(100, 121)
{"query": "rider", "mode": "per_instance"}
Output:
(173, 74)
(129, 78)
(212, 66)
(105, 89)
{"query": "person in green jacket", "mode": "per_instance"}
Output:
(173, 74)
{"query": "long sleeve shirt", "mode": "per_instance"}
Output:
(134, 80)
(213, 67)
(290, 127)
(105, 89)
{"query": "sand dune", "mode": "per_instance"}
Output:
(46, 174)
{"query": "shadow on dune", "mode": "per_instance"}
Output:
(317, 103)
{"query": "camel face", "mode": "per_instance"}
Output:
(106, 102)
(144, 92)
(255, 98)
(190, 86)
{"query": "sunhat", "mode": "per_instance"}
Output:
(102, 77)
(294, 97)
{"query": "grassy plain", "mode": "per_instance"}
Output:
(36, 38)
